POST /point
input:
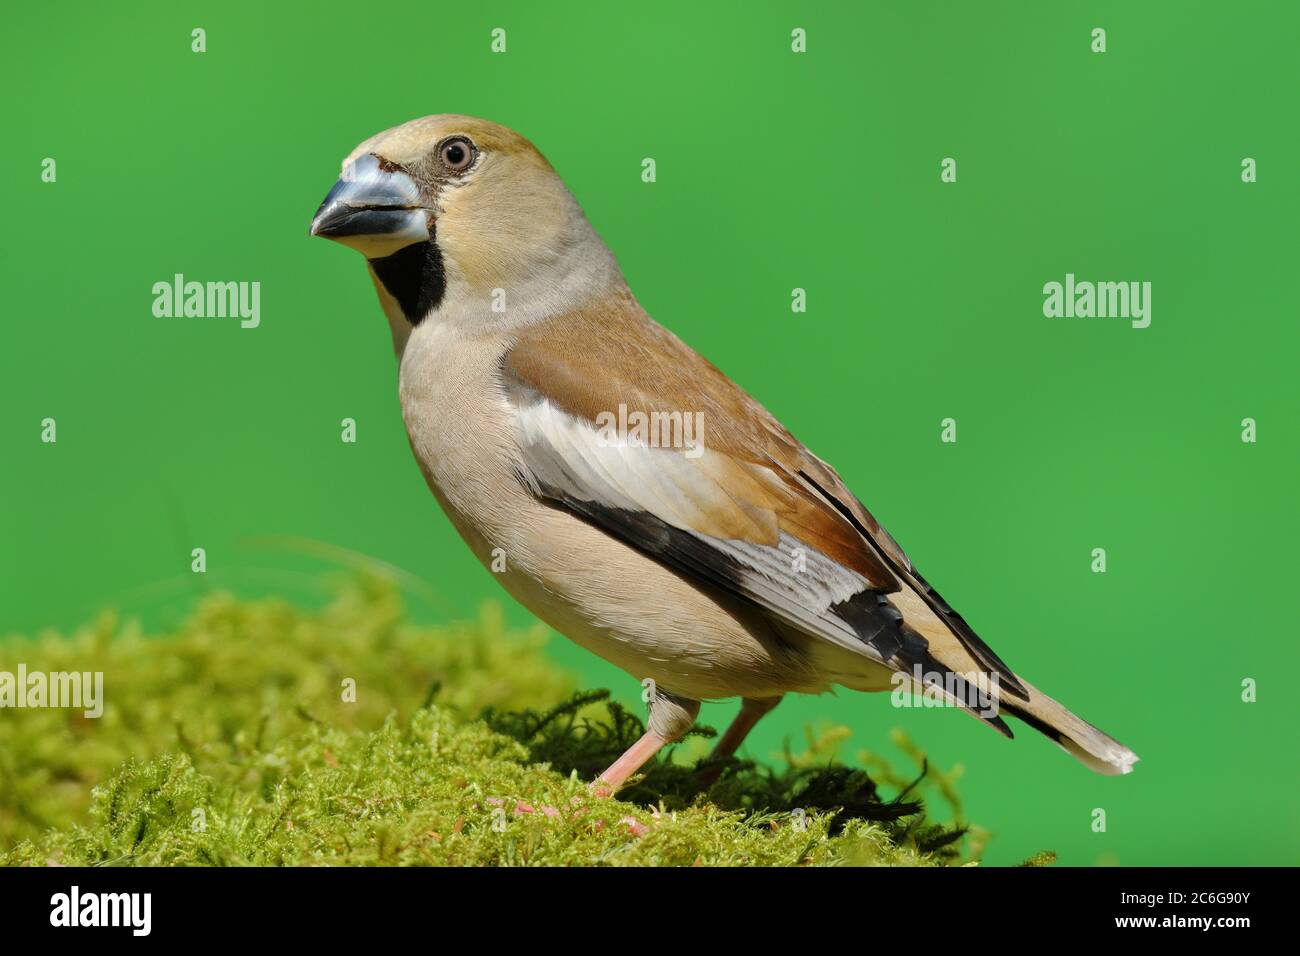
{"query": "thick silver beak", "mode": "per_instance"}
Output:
(374, 210)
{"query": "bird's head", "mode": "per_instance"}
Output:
(461, 214)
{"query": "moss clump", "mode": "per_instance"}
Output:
(808, 783)
(234, 741)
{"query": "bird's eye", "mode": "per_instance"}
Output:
(456, 154)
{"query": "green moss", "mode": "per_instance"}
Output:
(230, 742)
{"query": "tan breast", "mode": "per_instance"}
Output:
(601, 593)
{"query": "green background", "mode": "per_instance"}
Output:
(775, 171)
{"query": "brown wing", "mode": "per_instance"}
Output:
(734, 514)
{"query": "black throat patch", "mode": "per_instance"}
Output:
(414, 277)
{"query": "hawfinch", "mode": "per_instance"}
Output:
(644, 504)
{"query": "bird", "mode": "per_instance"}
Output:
(618, 484)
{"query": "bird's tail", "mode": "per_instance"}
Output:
(1076, 737)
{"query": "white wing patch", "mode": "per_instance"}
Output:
(634, 490)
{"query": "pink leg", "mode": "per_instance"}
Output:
(632, 760)
(671, 717)
(751, 712)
